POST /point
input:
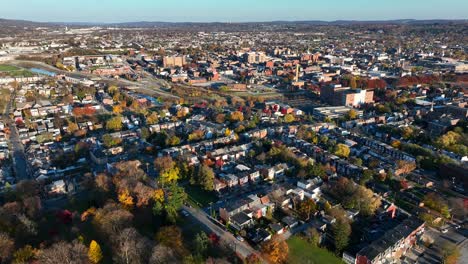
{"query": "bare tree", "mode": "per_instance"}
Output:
(64, 253)
(162, 254)
(131, 247)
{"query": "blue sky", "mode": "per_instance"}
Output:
(229, 10)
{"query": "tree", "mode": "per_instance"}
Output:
(170, 175)
(94, 252)
(173, 141)
(342, 150)
(171, 237)
(450, 253)
(153, 118)
(115, 123)
(112, 219)
(7, 245)
(63, 252)
(201, 243)
(253, 259)
(366, 176)
(352, 83)
(162, 255)
(167, 169)
(25, 254)
(72, 127)
(237, 116)
(305, 208)
(276, 250)
(351, 115)
(175, 198)
(288, 118)
(317, 170)
(341, 230)
(131, 247)
(405, 167)
(205, 177)
(313, 236)
(126, 199)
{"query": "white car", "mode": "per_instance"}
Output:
(445, 230)
(241, 239)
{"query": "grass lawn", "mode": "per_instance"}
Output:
(8, 68)
(202, 197)
(300, 251)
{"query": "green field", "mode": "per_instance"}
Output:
(8, 68)
(13, 71)
(201, 197)
(300, 251)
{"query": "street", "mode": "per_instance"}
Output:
(241, 248)
(20, 163)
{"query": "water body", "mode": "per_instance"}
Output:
(43, 72)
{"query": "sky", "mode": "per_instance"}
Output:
(229, 10)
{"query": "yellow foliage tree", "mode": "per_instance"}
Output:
(342, 150)
(227, 133)
(94, 252)
(158, 195)
(117, 109)
(126, 199)
(170, 175)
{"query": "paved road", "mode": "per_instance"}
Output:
(17, 149)
(241, 248)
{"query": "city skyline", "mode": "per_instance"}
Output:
(239, 11)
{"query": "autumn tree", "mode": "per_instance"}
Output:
(25, 254)
(276, 250)
(306, 208)
(167, 169)
(352, 114)
(115, 123)
(126, 199)
(405, 167)
(450, 253)
(94, 252)
(171, 237)
(236, 116)
(288, 118)
(7, 245)
(342, 150)
(112, 219)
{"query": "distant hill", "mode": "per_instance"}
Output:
(153, 24)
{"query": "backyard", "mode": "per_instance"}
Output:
(301, 251)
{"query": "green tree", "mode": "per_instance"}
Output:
(201, 243)
(205, 177)
(341, 230)
(175, 199)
